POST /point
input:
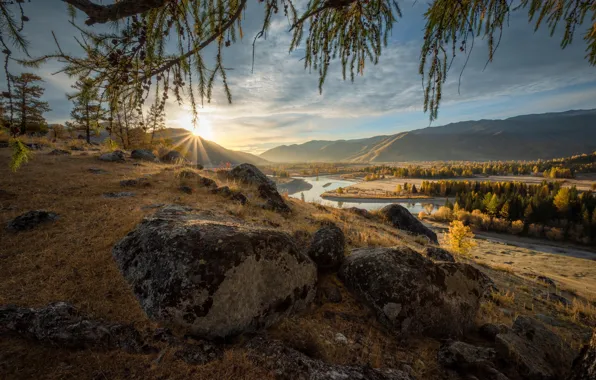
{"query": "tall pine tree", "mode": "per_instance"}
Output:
(87, 112)
(27, 108)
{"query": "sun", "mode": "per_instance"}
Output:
(203, 128)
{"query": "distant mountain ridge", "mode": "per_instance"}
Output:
(524, 137)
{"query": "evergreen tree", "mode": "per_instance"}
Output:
(504, 213)
(87, 112)
(493, 205)
(27, 107)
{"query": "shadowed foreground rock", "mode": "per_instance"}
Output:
(584, 366)
(327, 247)
(399, 217)
(249, 174)
(173, 157)
(410, 294)
(536, 352)
(30, 220)
(470, 360)
(61, 325)
(211, 276)
(438, 254)
(288, 364)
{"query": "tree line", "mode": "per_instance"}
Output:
(547, 209)
(22, 113)
(565, 167)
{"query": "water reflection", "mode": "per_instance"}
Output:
(322, 184)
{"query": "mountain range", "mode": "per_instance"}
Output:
(526, 137)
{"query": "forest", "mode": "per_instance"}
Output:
(544, 210)
(565, 167)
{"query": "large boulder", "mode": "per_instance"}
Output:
(60, 324)
(30, 220)
(584, 366)
(327, 247)
(286, 363)
(173, 157)
(438, 254)
(399, 217)
(143, 154)
(249, 174)
(212, 276)
(412, 295)
(536, 352)
(115, 156)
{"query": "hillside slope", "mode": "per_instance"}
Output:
(525, 137)
(207, 152)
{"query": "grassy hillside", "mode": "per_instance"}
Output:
(71, 260)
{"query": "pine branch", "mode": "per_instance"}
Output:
(101, 14)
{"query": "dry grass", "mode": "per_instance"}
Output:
(504, 298)
(70, 260)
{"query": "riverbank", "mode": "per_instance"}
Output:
(370, 199)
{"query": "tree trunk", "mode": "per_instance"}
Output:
(87, 124)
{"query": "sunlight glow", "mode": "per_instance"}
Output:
(203, 127)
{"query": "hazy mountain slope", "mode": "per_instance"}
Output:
(207, 152)
(525, 137)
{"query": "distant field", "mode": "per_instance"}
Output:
(583, 182)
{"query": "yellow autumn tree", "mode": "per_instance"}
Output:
(460, 238)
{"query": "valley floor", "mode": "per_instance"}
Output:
(71, 260)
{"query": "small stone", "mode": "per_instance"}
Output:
(185, 189)
(96, 171)
(438, 254)
(327, 247)
(60, 152)
(143, 154)
(341, 338)
(331, 293)
(30, 220)
(123, 194)
(129, 183)
(546, 280)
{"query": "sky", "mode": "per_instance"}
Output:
(279, 102)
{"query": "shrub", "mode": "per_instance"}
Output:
(422, 215)
(535, 230)
(460, 238)
(110, 144)
(517, 227)
(464, 217)
(443, 214)
(501, 225)
(555, 234)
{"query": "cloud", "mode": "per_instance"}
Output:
(279, 101)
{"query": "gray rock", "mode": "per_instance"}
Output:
(584, 366)
(438, 254)
(129, 183)
(211, 276)
(341, 338)
(225, 191)
(547, 280)
(249, 174)
(536, 352)
(399, 217)
(489, 331)
(115, 156)
(173, 157)
(206, 182)
(60, 152)
(286, 363)
(555, 298)
(30, 220)
(548, 320)
(96, 171)
(185, 189)
(122, 194)
(470, 360)
(331, 293)
(152, 206)
(359, 211)
(60, 324)
(143, 154)
(327, 247)
(411, 295)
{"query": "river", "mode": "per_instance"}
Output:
(324, 183)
